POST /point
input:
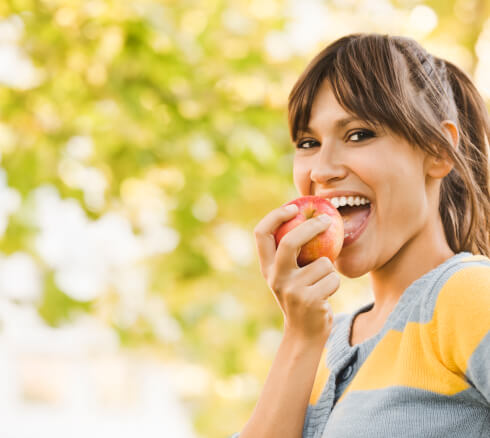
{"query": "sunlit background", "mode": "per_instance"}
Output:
(140, 143)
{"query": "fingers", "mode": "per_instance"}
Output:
(291, 243)
(316, 270)
(326, 286)
(264, 233)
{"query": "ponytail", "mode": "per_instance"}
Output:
(465, 204)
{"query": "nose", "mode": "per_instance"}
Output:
(327, 167)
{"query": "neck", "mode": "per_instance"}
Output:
(417, 257)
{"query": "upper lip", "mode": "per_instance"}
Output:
(339, 193)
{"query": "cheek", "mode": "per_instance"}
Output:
(382, 180)
(301, 177)
(402, 202)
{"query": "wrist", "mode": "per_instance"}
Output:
(301, 340)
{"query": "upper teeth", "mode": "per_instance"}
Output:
(349, 200)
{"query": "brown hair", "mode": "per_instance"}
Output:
(393, 81)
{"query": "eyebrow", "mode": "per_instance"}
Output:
(339, 123)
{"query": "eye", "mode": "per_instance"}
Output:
(363, 133)
(306, 144)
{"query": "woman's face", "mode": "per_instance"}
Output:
(356, 158)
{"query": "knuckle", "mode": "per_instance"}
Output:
(285, 210)
(274, 285)
(310, 301)
(321, 222)
(326, 262)
(328, 310)
(258, 232)
(288, 292)
(335, 279)
(287, 243)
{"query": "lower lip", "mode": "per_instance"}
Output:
(349, 240)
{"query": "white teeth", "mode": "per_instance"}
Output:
(349, 200)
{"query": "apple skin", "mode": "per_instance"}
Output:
(327, 244)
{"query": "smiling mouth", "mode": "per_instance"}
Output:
(353, 217)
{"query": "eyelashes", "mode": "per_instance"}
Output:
(363, 133)
(301, 144)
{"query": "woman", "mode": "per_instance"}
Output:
(376, 116)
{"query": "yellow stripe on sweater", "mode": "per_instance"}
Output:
(475, 258)
(462, 315)
(433, 356)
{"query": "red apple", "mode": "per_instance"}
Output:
(326, 244)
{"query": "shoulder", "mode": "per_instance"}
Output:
(461, 317)
(464, 287)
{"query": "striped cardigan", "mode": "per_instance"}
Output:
(426, 374)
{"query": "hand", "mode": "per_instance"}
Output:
(300, 292)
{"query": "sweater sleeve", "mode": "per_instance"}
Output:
(462, 317)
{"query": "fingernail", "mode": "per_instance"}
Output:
(324, 218)
(292, 208)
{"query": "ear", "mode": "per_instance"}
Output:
(439, 167)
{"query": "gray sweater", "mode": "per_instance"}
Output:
(426, 374)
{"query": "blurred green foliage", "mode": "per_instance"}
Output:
(183, 98)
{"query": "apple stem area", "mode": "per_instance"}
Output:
(310, 211)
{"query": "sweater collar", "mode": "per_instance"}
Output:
(339, 349)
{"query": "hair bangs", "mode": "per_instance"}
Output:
(303, 94)
(366, 78)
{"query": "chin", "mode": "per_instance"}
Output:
(351, 267)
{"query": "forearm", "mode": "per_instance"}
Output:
(281, 408)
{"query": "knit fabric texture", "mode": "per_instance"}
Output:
(425, 374)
